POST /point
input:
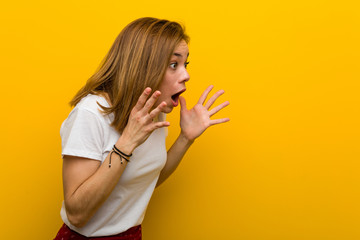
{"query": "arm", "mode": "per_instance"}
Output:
(87, 184)
(174, 156)
(193, 123)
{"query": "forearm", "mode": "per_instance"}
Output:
(174, 157)
(82, 202)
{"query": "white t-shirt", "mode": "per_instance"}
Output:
(87, 133)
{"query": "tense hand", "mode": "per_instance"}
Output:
(195, 121)
(140, 124)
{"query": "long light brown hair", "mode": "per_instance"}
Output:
(137, 59)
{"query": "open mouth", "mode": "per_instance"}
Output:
(175, 97)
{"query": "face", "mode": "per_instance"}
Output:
(175, 78)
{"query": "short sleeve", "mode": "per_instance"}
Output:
(82, 135)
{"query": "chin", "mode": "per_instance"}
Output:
(167, 110)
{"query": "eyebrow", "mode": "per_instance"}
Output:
(179, 55)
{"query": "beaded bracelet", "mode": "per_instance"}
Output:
(120, 154)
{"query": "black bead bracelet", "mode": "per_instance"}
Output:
(120, 154)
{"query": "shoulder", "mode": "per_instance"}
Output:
(92, 103)
(86, 112)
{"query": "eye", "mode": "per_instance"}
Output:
(187, 63)
(173, 65)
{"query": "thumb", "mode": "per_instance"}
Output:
(182, 103)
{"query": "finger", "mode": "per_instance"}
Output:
(218, 121)
(142, 99)
(157, 125)
(151, 101)
(182, 103)
(218, 108)
(205, 94)
(213, 99)
(157, 110)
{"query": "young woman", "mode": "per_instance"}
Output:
(113, 141)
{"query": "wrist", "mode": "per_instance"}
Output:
(125, 146)
(185, 139)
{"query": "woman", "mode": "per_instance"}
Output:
(113, 141)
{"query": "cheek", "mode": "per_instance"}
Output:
(162, 98)
(167, 86)
(164, 89)
(169, 80)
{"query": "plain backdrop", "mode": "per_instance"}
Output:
(285, 167)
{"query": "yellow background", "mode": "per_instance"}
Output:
(285, 167)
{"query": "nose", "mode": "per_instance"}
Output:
(185, 76)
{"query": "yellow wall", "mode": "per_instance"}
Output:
(285, 167)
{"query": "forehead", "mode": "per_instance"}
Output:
(181, 50)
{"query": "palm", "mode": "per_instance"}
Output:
(195, 121)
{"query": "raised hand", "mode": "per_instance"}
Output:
(195, 121)
(140, 124)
